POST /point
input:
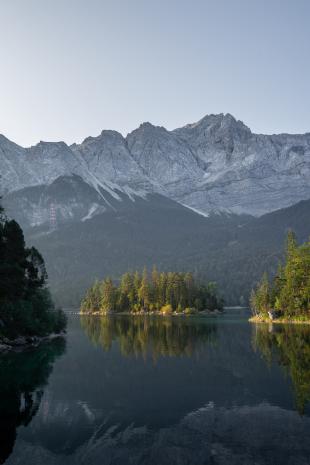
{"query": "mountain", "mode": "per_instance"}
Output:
(214, 165)
(211, 197)
(246, 172)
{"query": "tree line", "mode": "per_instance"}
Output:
(157, 292)
(26, 307)
(289, 292)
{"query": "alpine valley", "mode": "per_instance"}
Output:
(211, 197)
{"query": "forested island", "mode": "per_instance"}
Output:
(27, 311)
(160, 293)
(287, 298)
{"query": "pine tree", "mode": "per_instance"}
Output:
(14, 262)
(109, 296)
(155, 286)
(136, 286)
(126, 296)
(189, 283)
(144, 290)
(26, 307)
(162, 285)
(167, 292)
(93, 298)
(291, 245)
(290, 292)
(260, 299)
(169, 297)
(35, 270)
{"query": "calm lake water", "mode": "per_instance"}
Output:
(155, 390)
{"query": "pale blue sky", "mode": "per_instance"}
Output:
(70, 68)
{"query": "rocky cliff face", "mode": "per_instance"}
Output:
(216, 164)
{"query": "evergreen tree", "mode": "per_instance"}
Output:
(290, 292)
(126, 296)
(144, 290)
(35, 271)
(109, 296)
(136, 287)
(26, 307)
(166, 292)
(189, 282)
(291, 245)
(14, 262)
(260, 300)
(155, 285)
(162, 285)
(169, 297)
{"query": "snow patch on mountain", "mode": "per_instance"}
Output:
(92, 211)
(199, 212)
(215, 164)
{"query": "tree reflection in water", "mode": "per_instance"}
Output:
(22, 378)
(289, 346)
(143, 335)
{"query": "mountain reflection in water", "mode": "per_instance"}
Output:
(169, 390)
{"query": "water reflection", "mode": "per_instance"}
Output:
(22, 378)
(143, 335)
(290, 347)
(225, 406)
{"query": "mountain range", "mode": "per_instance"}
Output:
(193, 197)
(214, 165)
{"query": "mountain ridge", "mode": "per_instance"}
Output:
(215, 164)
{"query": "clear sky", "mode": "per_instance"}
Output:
(70, 68)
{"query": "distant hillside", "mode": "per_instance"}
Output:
(233, 250)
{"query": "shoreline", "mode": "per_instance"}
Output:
(26, 342)
(203, 313)
(284, 321)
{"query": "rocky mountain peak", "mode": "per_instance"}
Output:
(103, 136)
(212, 125)
(213, 164)
(7, 145)
(146, 131)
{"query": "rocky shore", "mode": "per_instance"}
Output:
(260, 319)
(23, 342)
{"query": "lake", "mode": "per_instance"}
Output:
(159, 390)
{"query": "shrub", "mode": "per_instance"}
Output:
(166, 309)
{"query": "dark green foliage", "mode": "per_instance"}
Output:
(289, 294)
(26, 307)
(231, 250)
(13, 262)
(165, 292)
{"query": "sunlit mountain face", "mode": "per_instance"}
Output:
(216, 164)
